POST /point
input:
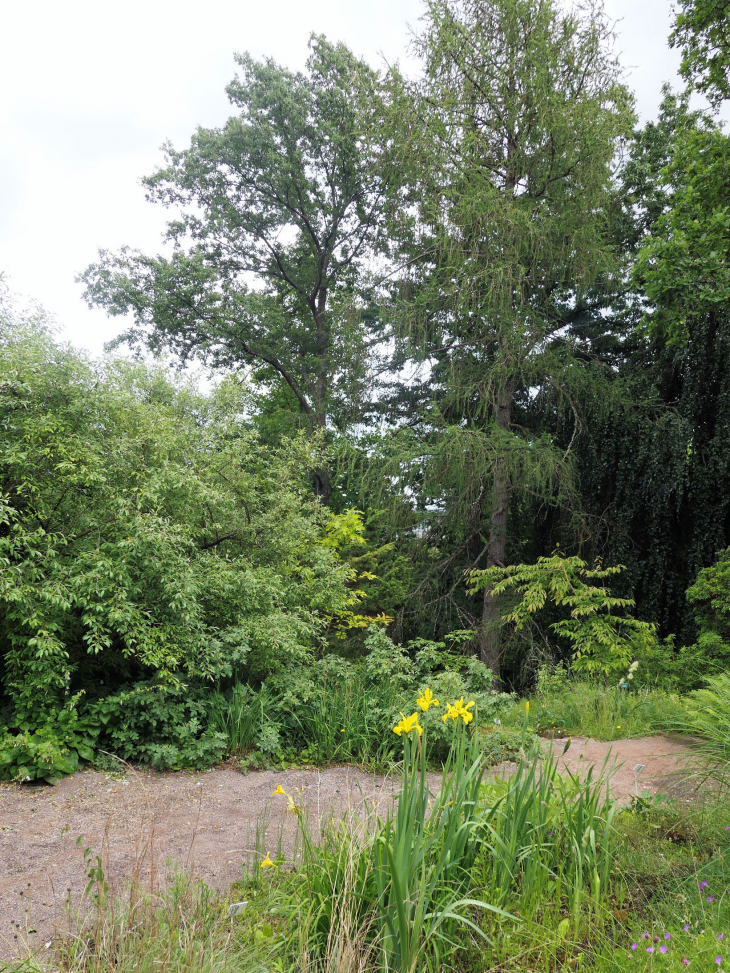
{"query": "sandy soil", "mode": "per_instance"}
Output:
(211, 823)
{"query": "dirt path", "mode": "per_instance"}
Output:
(210, 822)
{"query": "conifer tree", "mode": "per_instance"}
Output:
(509, 150)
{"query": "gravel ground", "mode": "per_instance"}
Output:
(208, 823)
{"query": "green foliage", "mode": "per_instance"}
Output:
(333, 709)
(706, 714)
(702, 33)
(422, 860)
(321, 915)
(602, 638)
(49, 750)
(247, 719)
(653, 453)
(566, 705)
(146, 531)
(290, 191)
(509, 183)
(710, 598)
(449, 868)
(682, 265)
(551, 833)
(166, 726)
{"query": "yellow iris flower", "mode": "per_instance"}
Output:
(426, 700)
(459, 710)
(291, 807)
(408, 723)
(267, 863)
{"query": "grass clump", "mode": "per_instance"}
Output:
(706, 716)
(566, 706)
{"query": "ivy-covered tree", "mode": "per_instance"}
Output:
(653, 450)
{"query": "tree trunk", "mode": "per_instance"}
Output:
(490, 633)
(322, 486)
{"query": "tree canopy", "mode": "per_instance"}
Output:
(467, 325)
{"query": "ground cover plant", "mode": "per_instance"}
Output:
(564, 704)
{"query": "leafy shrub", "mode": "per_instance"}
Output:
(333, 709)
(48, 751)
(387, 662)
(166, 726)
(603, 637)
(710, 600)
(145, 528)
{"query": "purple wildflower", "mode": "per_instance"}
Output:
(710, 899)
(686, 928)
(634, 945)
(645, 935)
(721, 935)
(662, 949)
(703, 885)
(727, 827)
(655, 939)
(718, 960)
(650, 949)
(685, 961)
(667, 935)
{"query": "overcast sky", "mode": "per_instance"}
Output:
(90, 89)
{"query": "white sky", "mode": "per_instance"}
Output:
(90, 89)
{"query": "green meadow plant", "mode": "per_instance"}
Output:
(246, 718)
(600, 710)
(549, 835)
(423, 863)
(342, 720)
(706, 715)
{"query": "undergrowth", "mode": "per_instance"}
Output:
(541, 871)
(566, 706)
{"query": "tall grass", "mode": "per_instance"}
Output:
(601, 712)
(339, 720)
(180, 928)
(243, 715)
(655, 888)
(343, 721)
(706, 715)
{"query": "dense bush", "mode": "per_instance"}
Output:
(709, 597)
(334, 709)
(164, 725)
(145, 531)
(51, 749)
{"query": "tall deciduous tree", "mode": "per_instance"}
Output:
(511, 148)
(702, 32)
(280, 210)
